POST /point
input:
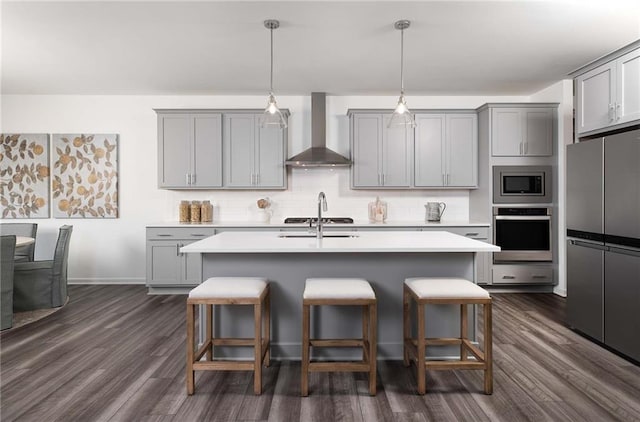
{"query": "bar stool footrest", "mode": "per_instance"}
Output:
(358, 366)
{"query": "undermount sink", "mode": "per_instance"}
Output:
(312, 235)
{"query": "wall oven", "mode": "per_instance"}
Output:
(522, 184)
(523, 234)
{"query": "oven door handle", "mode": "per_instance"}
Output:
(522, 217)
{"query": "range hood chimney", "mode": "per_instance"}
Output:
(318, 155)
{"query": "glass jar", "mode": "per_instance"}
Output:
(195, 211)
(184, 211)
(206, 212)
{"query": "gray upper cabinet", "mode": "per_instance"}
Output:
(253, 156)
(381, 155)
(608, 93)
(189, 150)
(522, 131)
(446, 150)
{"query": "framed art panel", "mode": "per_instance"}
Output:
(24, 176)
(84, 171)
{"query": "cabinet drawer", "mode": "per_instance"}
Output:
(168, 233)
(522, 274)
(481, 233)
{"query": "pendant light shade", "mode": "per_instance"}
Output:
(272, 115)
(401, 115)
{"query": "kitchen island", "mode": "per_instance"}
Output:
(385, 259)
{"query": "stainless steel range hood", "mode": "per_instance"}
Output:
(318, 155)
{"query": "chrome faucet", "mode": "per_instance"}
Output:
(322, 206)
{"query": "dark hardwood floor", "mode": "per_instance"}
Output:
(114, 353)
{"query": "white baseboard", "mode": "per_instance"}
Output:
(560, 292)
(107, 280)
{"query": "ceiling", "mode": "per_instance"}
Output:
(342, 48)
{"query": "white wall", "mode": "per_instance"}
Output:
(561, 92)
(113, 251)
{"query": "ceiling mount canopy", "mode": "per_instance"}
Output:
(401, 115)
(272, 115)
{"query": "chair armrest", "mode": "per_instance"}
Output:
(32, 266)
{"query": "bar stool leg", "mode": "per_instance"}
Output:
(305, 351)
(463, 331)
(209, 332)
(257, 362)
(406, 327)
(373, 342)
(422, 381)
(267, 328)
(190, 353)
(488, 353)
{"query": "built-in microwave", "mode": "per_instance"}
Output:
(522, 184)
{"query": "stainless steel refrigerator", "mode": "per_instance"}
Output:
(603, 232)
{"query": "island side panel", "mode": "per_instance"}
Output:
(385, 271)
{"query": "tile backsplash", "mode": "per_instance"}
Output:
(300, 199)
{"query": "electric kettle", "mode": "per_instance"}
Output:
(434, 210)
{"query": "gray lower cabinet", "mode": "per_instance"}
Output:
(166, 265)
(522, 131)
(253, 156)
(585, 288)
(446, 150)
(189, 150)
(381, 155)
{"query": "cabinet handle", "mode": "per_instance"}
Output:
(384, 179)
(539, 276)
(448, 179)
(177, 249)
(258, 179)
(612, 112)
(188, 179)
(193, 179)
(520, 148)
(443, 181)
(618, 108)
(471, 234)
(164, 235)
(508, 277)
(197, 234)
(526, 148)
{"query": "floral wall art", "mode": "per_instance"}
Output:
(85, 175)
(24, 175)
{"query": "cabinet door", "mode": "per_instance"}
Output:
(269, 153)
(429, 150)
(622, 298)
(462, 150)
(206, 171)
(628, 87)
(174, 150)
(506, 132)
(538, 139)
(396, 155)
(164, 262)
(191, 270)
(238, 145)
(595, 98)
(366, 145)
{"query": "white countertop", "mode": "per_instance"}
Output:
(357, 223)
(385, 241)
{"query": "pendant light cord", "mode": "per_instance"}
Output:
(271, 81)
(402, 62)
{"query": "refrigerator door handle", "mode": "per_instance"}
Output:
(589, 245)
(624, 251)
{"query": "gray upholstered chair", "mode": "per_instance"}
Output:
(7, 249)
(24, 253)
(43, 284)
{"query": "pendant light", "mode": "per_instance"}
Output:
(272, 115)
(401, 115)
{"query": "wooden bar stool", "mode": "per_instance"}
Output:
(340, 291)
(229, 291)
(425, 291)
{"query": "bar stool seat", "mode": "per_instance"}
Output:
(446, 290)
(229, 291)
(340, 291)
